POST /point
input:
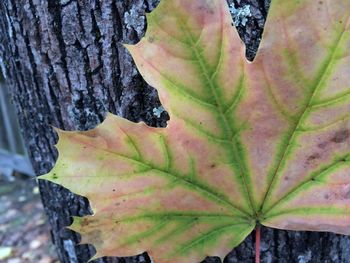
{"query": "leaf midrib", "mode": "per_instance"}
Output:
(220, 106)
(173, 215)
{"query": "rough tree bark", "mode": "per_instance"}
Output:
(65, 66)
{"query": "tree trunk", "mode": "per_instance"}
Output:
(65, 66)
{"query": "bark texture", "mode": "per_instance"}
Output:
(65, 66)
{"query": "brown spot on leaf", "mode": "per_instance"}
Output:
(313, 157)
(85, 222)
(91, 134)
(322, 145)
(341, 136)
(213, 165)
(347, 195)
(207, 6)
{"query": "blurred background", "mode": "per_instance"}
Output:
(24, 232)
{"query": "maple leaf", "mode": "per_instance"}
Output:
(265, 143)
